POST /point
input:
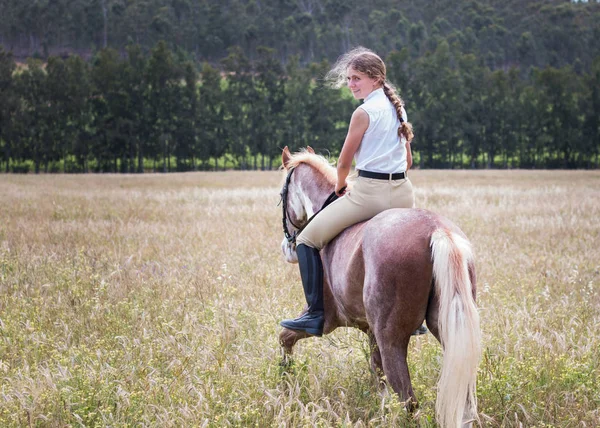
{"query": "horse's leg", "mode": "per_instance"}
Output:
(433, 314)
(376, 364)
(393, 314)
(393, 352)
(287, 340)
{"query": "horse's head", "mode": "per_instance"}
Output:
(308, 178)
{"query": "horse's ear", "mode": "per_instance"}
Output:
(285, 156)
(309, 149)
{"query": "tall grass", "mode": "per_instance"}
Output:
(154, 300)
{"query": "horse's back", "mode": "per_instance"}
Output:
(399, 235)
(383, 266)
(396, 234)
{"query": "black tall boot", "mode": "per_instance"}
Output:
(311, 272)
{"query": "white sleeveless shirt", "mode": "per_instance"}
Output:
(381, 149)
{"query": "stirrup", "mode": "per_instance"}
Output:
(310, 322)
(421, 330)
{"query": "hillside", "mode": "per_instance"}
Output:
(503, 33)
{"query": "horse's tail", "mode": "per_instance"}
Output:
(458, 324)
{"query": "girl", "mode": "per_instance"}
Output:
(378, 139)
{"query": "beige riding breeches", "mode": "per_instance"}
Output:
(367, 198)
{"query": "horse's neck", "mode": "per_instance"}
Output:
(315, 189)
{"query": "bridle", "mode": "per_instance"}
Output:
(291, 238)
(284, 196)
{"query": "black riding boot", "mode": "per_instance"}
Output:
(311, 272)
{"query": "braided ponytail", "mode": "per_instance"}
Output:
(405, 128)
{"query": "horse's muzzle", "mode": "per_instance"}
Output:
(289, 251)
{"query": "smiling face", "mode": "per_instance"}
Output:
(361, 84)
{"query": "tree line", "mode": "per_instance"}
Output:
(156, 110)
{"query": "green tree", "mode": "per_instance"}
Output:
(294, 129)
(8, 106)
(136, 89)
(267, 110)
(472, 106)
(162, 78)
(185, 132)
(104, 145)
(56, 87)
(591, 126)
(77, 108)
(35, 128)
(240, 96)
(211, 112)
(558, 88)
(438, 106)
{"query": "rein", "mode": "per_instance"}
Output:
(291, 238)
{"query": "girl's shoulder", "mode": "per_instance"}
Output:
(376, 106)
(360, 114)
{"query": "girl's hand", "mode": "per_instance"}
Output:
(340, 189)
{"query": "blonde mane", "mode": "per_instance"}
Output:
(318, 162)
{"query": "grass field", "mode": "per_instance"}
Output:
(154, 300)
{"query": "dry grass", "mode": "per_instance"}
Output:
(155, 300)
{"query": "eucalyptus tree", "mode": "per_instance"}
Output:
(8, 106)
(268, 108)
(31, 84)
(437, 97)
(162, 77)
(212, 133)
(472, 106)
(591, 107)
(295, 127)
(534, 139)
(185, 117)
(57, 119)
(240, 96)
(559, 105)
(497, 125)
(105, 145)
(77, 108)
(501, 118)
(135, 87)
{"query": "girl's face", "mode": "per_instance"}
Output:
(360, 84)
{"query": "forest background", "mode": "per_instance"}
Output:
(177, 85)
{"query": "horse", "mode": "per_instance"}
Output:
(385, 276)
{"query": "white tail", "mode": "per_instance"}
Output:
(459, 329)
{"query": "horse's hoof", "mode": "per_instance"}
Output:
(286, 365)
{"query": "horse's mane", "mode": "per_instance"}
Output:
(318, 162)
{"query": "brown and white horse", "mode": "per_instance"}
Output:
(385, 276)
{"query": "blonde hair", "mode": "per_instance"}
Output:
(369, 63)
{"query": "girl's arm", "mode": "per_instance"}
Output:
(359, 123)
(408, 155)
